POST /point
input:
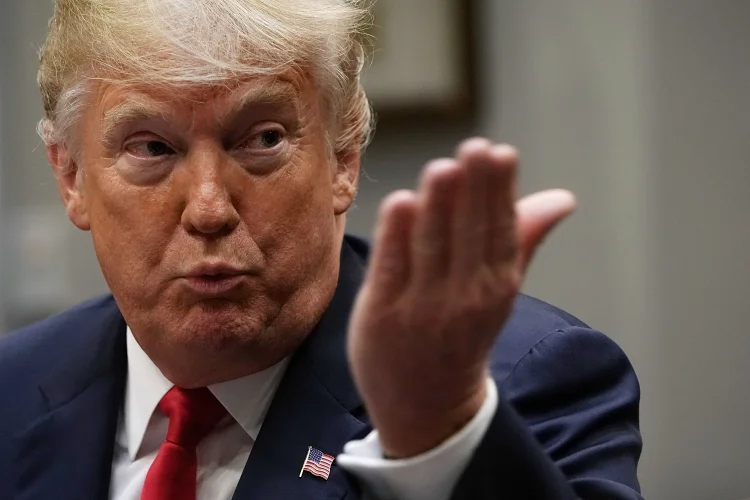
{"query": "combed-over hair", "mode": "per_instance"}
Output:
(189, 43)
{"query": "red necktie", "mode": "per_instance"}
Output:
(192, 414)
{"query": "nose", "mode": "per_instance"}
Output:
(209, 209)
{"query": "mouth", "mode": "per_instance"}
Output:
(212, 285)
(214, 280)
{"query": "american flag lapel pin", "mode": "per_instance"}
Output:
(317, 463)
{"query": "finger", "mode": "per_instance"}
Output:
(471, 217)
(389, 266)
(431, 240)
(502, 248)
(538, 214)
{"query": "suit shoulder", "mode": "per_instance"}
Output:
(531, 322)
(568, 392)
(64, 351)
(36, 345)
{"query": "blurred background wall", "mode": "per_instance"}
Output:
(641, 107)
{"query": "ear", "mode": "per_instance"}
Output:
(345, 181)
(70, 184)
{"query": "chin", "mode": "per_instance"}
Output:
(219, 325)
(233, 326)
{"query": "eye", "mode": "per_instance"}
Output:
(270, 138)
(267, 139)
(149, 149)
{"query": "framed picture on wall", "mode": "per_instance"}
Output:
(423, 58)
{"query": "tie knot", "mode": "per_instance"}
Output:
(192, 413)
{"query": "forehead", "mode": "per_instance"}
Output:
(116, 99)
(118, 105)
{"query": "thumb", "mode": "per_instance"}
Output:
(537, 214)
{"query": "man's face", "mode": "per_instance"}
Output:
(216, 216)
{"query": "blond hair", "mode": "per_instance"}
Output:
(206, 42)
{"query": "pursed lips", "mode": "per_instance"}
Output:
(217, 269)
(215, 279)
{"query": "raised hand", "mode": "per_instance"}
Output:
(447, 264)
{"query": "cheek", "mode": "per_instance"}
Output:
(130, 226)
(294, 217)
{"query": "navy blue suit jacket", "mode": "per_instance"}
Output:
(566, 426)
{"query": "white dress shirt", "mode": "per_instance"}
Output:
(223, 453)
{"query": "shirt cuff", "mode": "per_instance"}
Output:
(429, 476)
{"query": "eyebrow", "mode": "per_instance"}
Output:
(278, 93)
(143, 108)
(272, 93)
(140, 108)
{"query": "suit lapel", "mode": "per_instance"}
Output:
(314, 406)
(67, 452)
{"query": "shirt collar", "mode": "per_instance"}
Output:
(247, 399)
